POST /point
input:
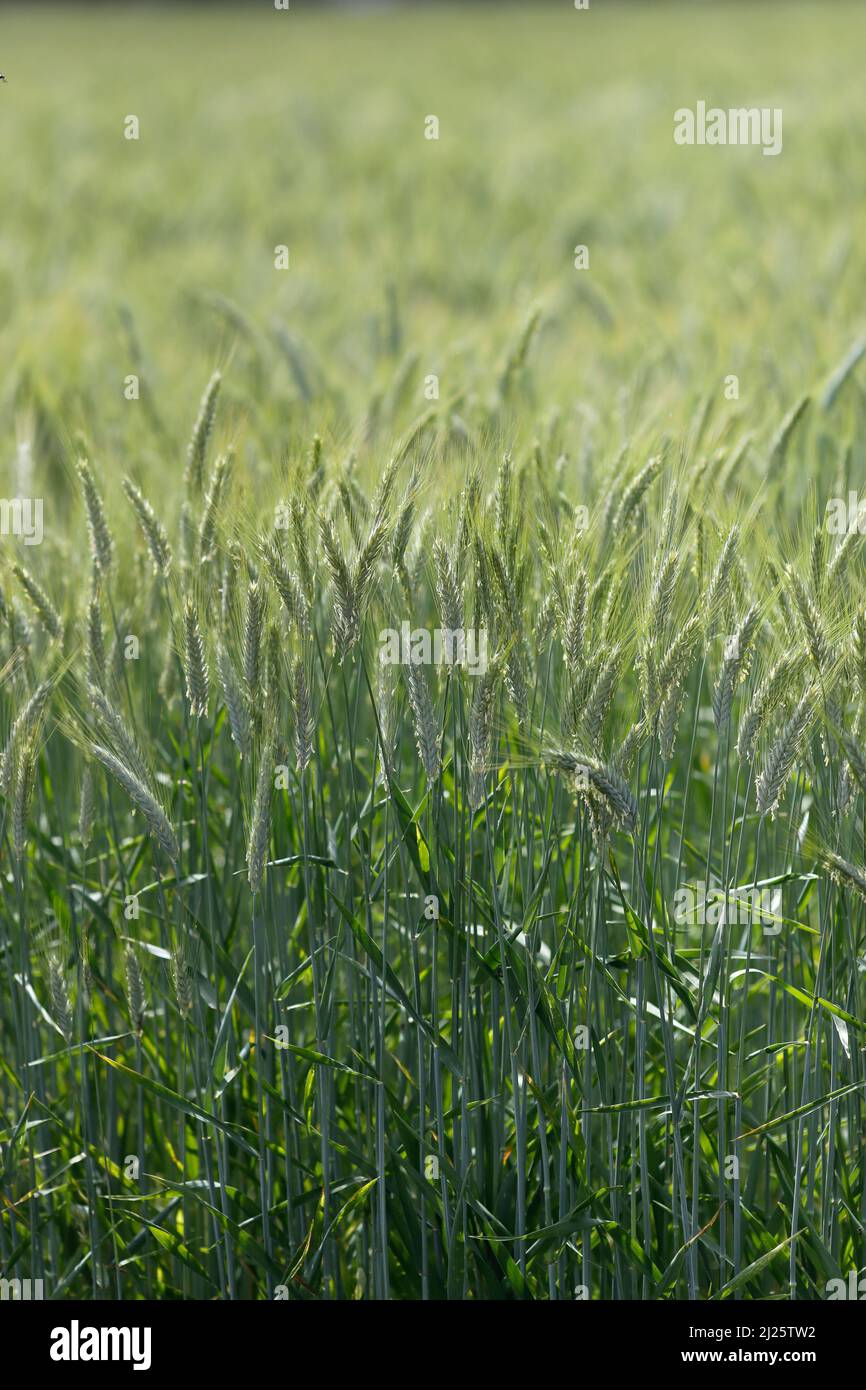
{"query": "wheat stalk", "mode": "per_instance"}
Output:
(260, 825)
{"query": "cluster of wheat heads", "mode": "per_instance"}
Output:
(324, 976)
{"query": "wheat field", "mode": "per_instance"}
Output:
(433, 706)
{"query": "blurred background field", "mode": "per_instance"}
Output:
(306, 128)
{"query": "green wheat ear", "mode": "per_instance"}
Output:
(197, 449)
(143, 798)
(152, 529)
(44, 608)
(195, 663)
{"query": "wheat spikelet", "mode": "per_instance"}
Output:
(673, 667)
(791, 622)
(385, 489)
(24, 726)
(239, 720)
(670, 714)
(195, 663)
(780, 758)
(181, 978)
(855, 756)
(634, 495)
(764, 700)
(734, 668)
(845, 789)
(502, 503)
(346, 626)
(577, 692)
(86, 971)
(481, 735)
(484, 603)
(858, 654)
(354, 508)
(95, 642)
(272, 673)
(424, 721)
(135, 993)
(509, 606)
(844, 872)
(413, 434)
(119, 735)
(670, 520)
(315, 464)
(25, 779)
(717, 588)
(101, 543)
(812, 624)
(573, 624)
(600, 697)
(516, 358)
(301, 549)
(819, 562)
(253, 630)
(197, 449)
(840, 375)
(447, 588)
(547, 620)
(603, 599)
(151, 528)
(553, 566)
(58, 990)
(846, 547)
(304, 724)
(19, 628)
(219, 483)
(592, 779)
(144, 799)
(783, 435)
(402, 532)
(290, 590)
(45, 610)
(364, 571)
(662, 591)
